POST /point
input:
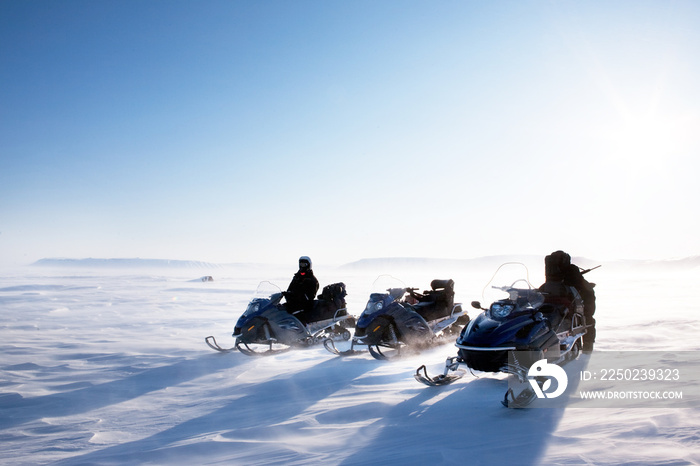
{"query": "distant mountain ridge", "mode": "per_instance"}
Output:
(494, 261)
(125, 263)
(679, 263)
(436, 262)
(367, 263)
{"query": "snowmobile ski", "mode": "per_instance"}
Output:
(422, 376)
(329, 344)
(523, 399)
(451, 365)
(249, 351)
(211, 341)
(393, 353)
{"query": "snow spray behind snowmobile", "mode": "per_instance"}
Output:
(398, 317)
(267, 328)
(515, 332)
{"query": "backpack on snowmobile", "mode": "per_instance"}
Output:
(329, 304)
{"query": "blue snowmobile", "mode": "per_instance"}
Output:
(398, 317)
(267, 328)
(517, 330)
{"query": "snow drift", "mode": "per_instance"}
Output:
(111, 368)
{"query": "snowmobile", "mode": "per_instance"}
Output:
(398, 317)
(267, 328)
(525, 326)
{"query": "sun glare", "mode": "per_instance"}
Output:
(642, 137)
(646, 142)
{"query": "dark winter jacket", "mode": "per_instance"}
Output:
(301, 291)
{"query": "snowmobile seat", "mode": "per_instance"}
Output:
(438, 301)
(555, 292)
(559, 299)
(448, 284)
(554, 314)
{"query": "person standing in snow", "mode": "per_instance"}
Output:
(558, 269)
(302, 290)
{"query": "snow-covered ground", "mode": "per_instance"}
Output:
(108, 365)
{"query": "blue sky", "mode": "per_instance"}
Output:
(241, 131)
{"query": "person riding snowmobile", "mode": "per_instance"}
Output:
(302, 290)
(560, 272)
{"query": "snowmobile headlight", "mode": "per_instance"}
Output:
(500, 311)
(252, 308)
(374, 306)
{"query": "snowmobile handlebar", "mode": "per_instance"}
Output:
(406, 290)
(412, 292)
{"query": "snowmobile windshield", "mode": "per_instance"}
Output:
(385, 290)
(511, 282)
(264, 294)
(266, 289)
(389, 285)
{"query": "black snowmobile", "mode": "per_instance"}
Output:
(398, 317)
(515, 332)
(267, 328)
